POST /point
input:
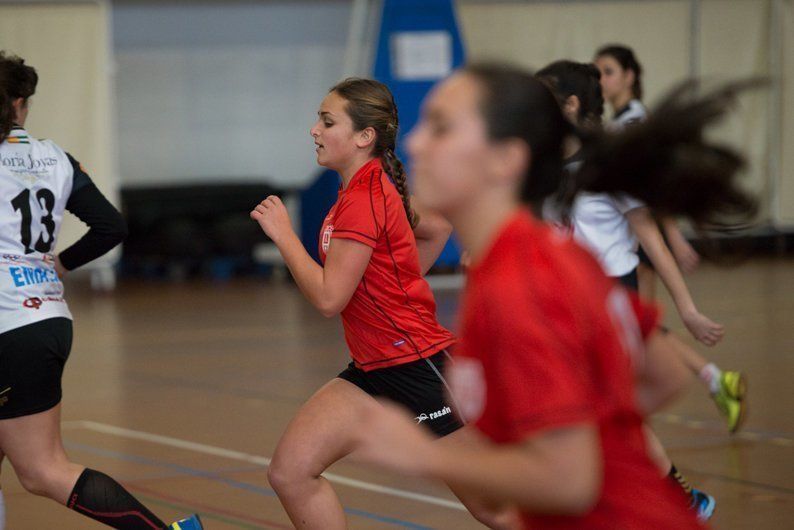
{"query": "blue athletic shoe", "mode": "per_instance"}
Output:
(703, 504)
(191, 523)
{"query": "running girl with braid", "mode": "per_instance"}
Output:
(375, 249)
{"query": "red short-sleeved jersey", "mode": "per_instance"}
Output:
(391, 318)
(547, 340)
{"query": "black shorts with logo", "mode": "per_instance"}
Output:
(32, 358)
(419, 386)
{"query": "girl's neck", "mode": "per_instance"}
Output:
(621, 101)
(478, 224)
(349, 171)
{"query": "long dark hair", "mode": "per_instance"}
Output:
(665, 161)
(371, 104)
(627, 60)
(569, 78)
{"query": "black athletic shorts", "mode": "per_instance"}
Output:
(31, 364)
(630, 280)
(419, 386)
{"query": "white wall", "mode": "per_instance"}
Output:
(533, 34)
(229, 90)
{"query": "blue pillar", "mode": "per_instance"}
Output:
(419, 43)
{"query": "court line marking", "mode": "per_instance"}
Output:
(218, 476)
(254, 459)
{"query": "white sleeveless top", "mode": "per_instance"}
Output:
(36, 179)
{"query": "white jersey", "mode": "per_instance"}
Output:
(634, 112)
(36, 178)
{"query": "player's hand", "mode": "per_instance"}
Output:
(390, 438)
(685, 255)
(703, 328)
(272, 216)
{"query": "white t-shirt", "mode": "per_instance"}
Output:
(598, 221)
(36, 179)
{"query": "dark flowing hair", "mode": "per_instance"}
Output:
(628, 61)
(370, 103)
(583, 80)
(665, 161)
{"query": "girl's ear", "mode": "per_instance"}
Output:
(630, 77)
(571, 108)
(365, 138)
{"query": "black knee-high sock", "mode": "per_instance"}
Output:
(101, 498)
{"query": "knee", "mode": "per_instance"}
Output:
(36, 479)
(285, 473)
(280, 475)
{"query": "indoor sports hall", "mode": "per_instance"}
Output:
(195, 346)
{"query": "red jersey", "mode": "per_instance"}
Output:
(547, 341)
(391, 318)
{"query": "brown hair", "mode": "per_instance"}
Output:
(17, 79)
(6, 116)
(371, 104)
(583, 80)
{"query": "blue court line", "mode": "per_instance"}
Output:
(215, 477)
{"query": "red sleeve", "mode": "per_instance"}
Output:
(648, 315)
(536, 374)
(359, 215)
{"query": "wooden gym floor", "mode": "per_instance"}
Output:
(181, 393)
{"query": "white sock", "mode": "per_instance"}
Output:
(2, 511)
(711, 375)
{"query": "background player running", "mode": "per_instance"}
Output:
(38, 181)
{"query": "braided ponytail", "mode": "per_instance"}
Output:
(371, 104)
(394, 167)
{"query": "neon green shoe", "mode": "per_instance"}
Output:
(730, 399)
